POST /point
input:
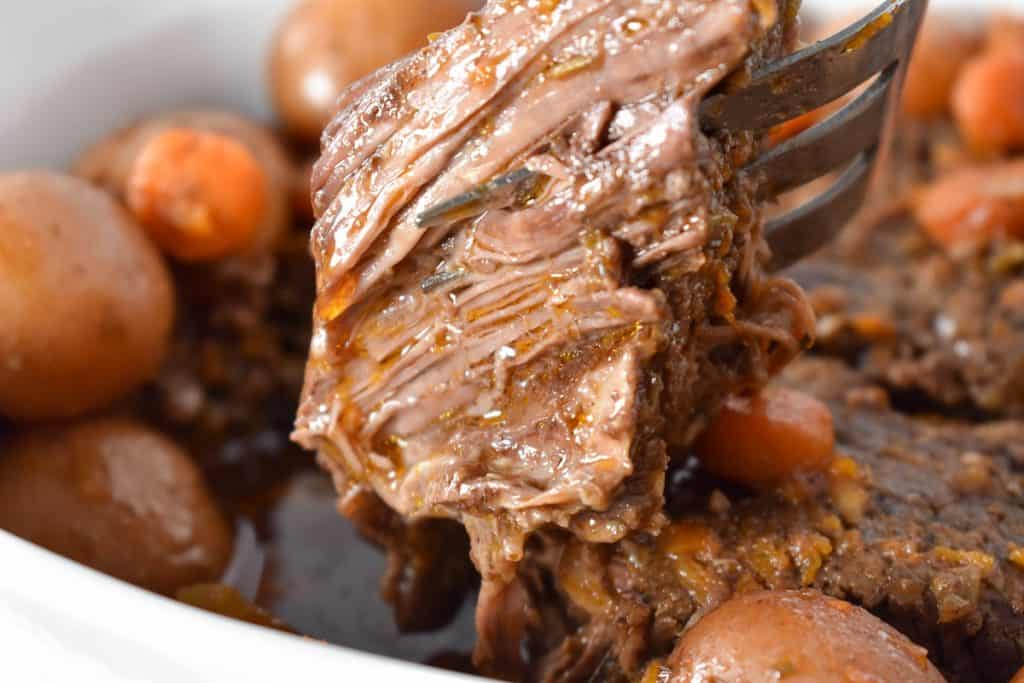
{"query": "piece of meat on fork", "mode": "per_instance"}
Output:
(530, 364)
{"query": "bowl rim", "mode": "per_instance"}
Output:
(47, 600)
(59, 619)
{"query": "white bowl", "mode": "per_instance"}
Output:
(71, 71)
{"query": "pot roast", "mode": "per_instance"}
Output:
(534, 366)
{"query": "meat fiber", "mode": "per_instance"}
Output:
(530, 367)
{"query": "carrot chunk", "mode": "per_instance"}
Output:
(972, 206)
(793, 127)
(763, 439)
(988, 102)
(201, 196)
(1005, 32)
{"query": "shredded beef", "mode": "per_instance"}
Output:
(530, 367)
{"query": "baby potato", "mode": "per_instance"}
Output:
(87, 301)
(325, 45)
(798, 637)
(205, 184)
(115, 496)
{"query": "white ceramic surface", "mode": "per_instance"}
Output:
(71, 70)
(61, 623)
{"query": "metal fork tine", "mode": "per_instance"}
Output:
(807, 229)
(802, 82)
(828, 145)
(819, 74)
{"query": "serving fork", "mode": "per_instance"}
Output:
(877, 47)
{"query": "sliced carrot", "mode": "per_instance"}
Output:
(766, 438)
(988, 102)
(201, 196)
(972, 206)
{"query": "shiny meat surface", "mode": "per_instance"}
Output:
(526, 385)
(916, 520)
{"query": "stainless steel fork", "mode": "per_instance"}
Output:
(878, 46)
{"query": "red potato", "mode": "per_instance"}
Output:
(325, 45)
(186, 171)
(763, 439)
(87, 301)
(117, 497)
(796, 637)
(972, 206)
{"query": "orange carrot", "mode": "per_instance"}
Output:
(1006, 32)
(988, 102)
(201, 196)
(972, 206)
(763, 439)
(794, 127)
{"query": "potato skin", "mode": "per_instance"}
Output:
(799, 637)
(88, 302)
(325, 45)
(115, 496)
(110, 162)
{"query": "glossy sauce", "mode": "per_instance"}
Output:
(323, 580)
